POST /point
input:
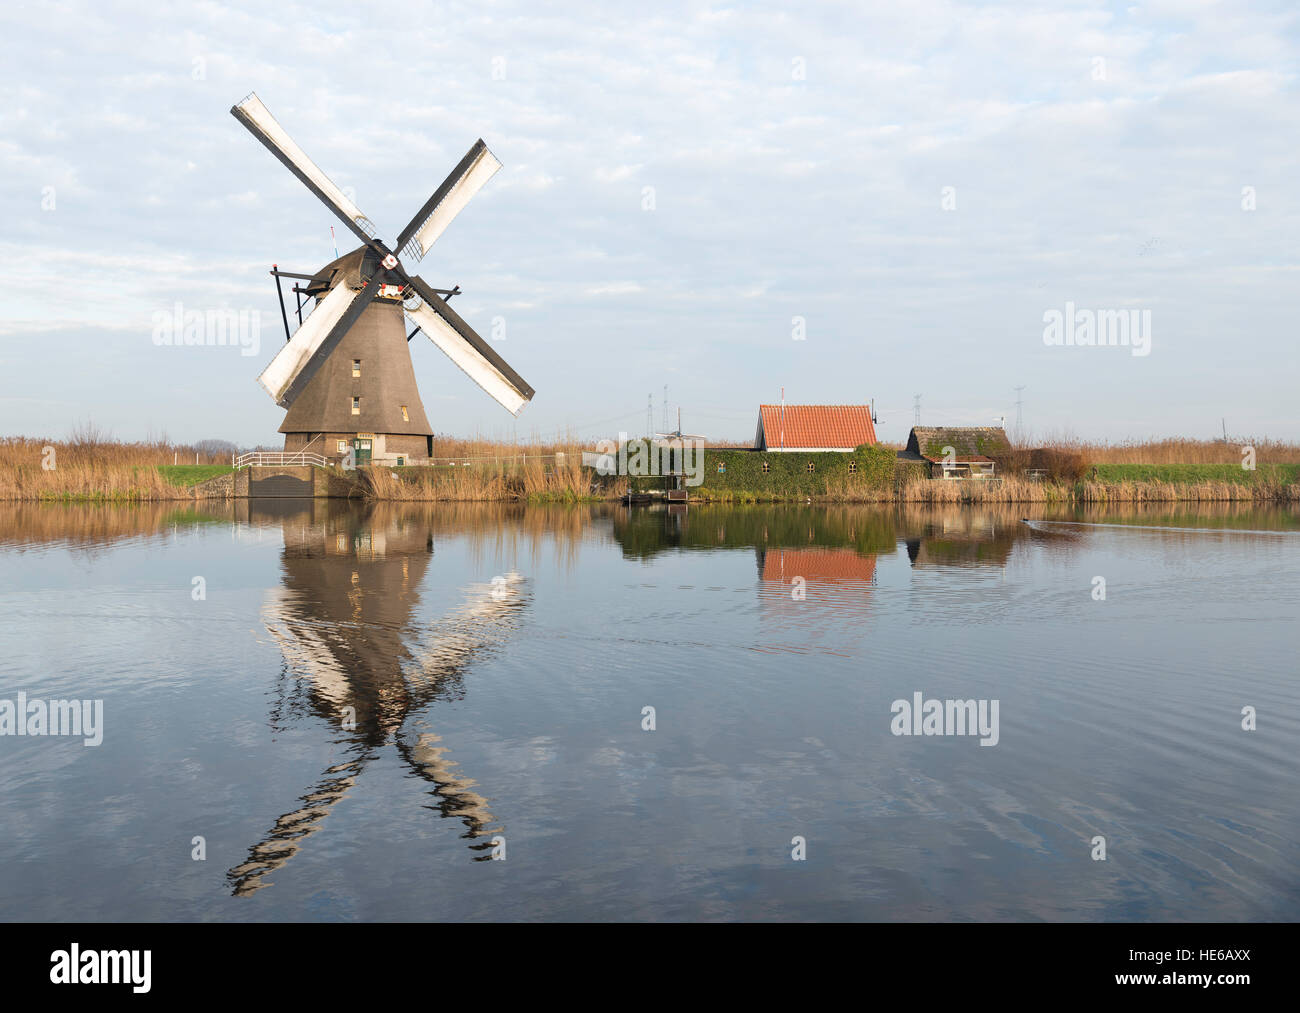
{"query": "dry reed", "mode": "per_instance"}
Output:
(89, 465)
(1170, 450)
(534, 477)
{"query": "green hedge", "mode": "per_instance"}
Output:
(739, 474)
(1188, 474)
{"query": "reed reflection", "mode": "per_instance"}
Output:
(967, 537)
(355, 659)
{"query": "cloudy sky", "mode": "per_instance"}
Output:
(919, 184)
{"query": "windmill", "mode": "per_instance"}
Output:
(345, 375)
(674, 460)
(677, 434)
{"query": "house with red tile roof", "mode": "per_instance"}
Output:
(806, 427)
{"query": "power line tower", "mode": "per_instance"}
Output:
(649, 416)
(916, 412)
(1020, 414)
(665, 429)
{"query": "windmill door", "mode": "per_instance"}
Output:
(362, 451)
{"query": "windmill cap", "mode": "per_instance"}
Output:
(352, 269)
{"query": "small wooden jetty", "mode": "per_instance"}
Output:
(671, 496)
(674, 492)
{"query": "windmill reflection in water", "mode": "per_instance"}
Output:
(343, 620)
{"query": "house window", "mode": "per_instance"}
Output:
(356, 367)
(722, 467)
(356, 406)
(405, 417)
(853, 467)
(767, 466)
(811, 467)
(401, 462)
(343, 446)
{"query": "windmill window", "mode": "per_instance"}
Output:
(356, 406)
(356, 367)
(722, 467)
(405, 415)
(767, 466)
(811, 467)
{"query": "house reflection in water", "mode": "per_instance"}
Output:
(354, 659)
(839, 579)
(646, 532)
(961, 538)
(823, 556)
(826, 555)
(823, 566)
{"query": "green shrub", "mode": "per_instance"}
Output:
(867, 471)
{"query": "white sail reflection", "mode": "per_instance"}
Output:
(354, 657)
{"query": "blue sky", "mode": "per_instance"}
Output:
(1097, 154)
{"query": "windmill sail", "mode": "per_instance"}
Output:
(259, 121)
(475, 169)
(344, 623)
(289, 361)
(463, 346)
(360, 301)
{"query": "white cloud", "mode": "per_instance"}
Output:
(615, 288)
(827, 189)
(616, 174)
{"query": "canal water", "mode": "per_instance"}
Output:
(327, 711)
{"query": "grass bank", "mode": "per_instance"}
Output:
(88, 467)
(95, 470)
(99, 481)
(1196, 474)
(186, 476)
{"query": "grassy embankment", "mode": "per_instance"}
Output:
(479, 471)
(1162, 471)
(93, 470)
(186, 476)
